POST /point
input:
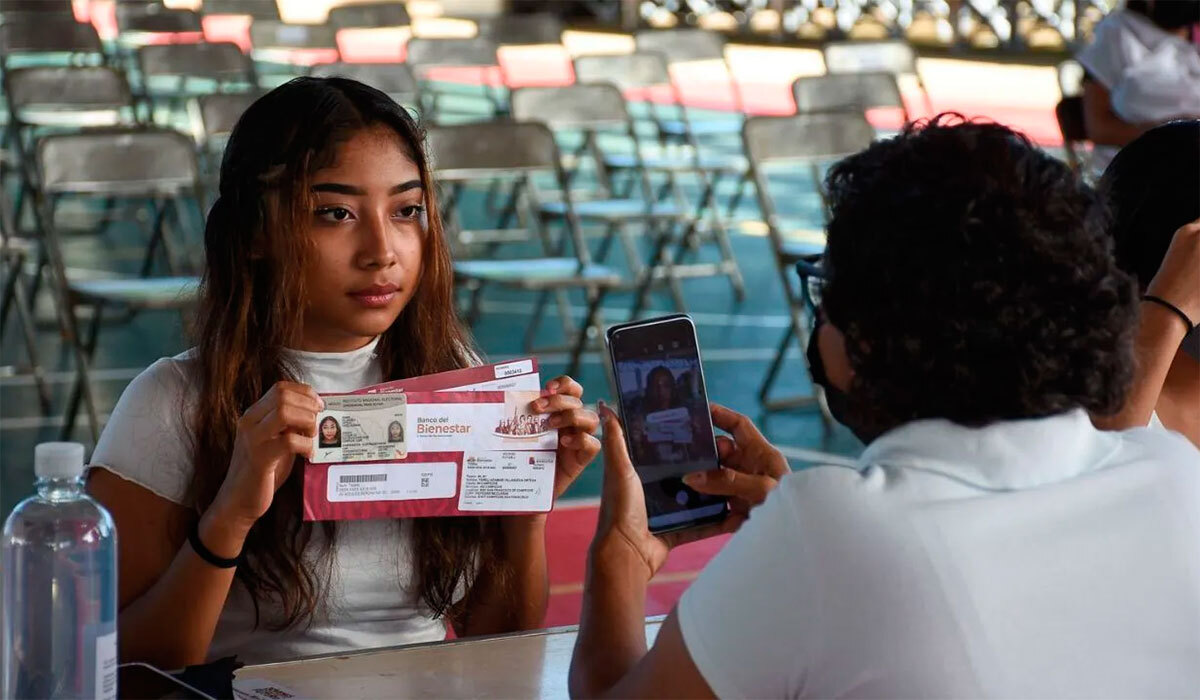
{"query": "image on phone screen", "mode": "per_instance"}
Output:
(668, 427)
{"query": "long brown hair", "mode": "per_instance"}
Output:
(251, 308)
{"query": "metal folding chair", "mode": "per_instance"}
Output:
(475, 56)
(256, 9)
(14, 252)
(158, 165)
(142, 23)
(38, 40)
(372, 15)
(395, 79)
(176, 74)
(806, 140)
(894, 56)
(484, 152)
(217, 115)
(688, 46)
(293, 45)
(524, 29)
(843, 92)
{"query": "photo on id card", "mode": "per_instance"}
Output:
(362, 428)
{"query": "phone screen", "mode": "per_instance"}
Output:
(668, 427)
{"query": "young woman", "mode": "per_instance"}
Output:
(326, 271)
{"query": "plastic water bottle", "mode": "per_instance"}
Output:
(60, 586)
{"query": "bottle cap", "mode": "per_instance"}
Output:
(58, 460)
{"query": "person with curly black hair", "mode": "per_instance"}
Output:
(1152, 189)
(990, 541)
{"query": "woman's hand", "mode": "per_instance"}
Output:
(750, 467)
(577, 446)
(624, 527)
(272, 432)
(1178, 278)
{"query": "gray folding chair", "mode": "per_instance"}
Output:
(598, 110)
(158, 165)
(895, 56)
(808, 141)
(484, 152)
(395, 79)
(256, 9)
(523, 29)
(173, 75)
(372, 15)
(427, 55)
(14, 252)
(293, 45)
(44, 98)
(681, 46)
(141, 23)
(34, 40)
(216, 116)
(847, 92)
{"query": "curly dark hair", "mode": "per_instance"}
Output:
(972, 276)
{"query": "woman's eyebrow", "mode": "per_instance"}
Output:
(340, 188)
(406, 186)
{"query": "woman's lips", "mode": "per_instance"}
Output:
(376, 296)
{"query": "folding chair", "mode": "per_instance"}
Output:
(45, 98)
(523, 29)
(254, 9)
(14, 252)
(473, 58)
(214, 121)
(843, 92)
(704, 50)
(369, 16)
(158, 165)
(175, 74)
(805, 140)
(894, 56)
(142, 23)
(395, 79)
(293, 45)
(42, 40)
(519, 151)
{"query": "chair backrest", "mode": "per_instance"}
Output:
(54, 34)
(156, 17)
(425, 53)
(1070, 78)
(218, 61)
(117, 161)
(271, 34)
(846, 92)
(45, 8)
(491, 149)
(258, 9)
(629, 71)
(67, 88)
(1069, 113)
(396, 79)
(220, 113)
(369, 15)
(894, 56)
(680, 45)
(806, 137)
(519, 29)
(578, 106)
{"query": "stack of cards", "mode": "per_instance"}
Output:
(456, 443)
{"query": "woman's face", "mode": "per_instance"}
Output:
(661, 389)
(328, 430)
(367, 231)
(394, 431)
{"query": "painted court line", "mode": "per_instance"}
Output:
(702, 318)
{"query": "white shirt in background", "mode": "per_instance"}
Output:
(371, 602)
(1027, 559)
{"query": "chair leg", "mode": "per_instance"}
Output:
(25, 316)
(764, 391)
(536, 321)
(82, 390)
(13, 273)
(590, 321)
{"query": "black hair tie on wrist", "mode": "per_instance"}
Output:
(1171, 307)
(206, 554)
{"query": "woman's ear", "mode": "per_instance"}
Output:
(831, 343)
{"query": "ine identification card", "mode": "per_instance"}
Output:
(457, 443)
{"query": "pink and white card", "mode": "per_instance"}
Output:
(456, 443)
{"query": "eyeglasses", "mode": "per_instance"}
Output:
(812, 282)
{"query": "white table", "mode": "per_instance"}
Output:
(522, 665)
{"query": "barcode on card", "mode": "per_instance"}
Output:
(361, 478)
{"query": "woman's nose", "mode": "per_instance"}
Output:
(376, 243)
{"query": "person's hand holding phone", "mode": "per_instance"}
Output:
(751, 467)
(624, 527)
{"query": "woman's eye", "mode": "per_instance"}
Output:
(412, 211)
(333, 213)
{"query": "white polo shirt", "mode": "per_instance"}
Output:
(1027, 559)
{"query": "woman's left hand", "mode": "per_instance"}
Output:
(577, 446)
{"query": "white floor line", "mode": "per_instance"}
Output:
(701, 318)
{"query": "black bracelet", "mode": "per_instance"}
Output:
(1171, 307)
(206, 554)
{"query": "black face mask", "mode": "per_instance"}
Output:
(838, 401)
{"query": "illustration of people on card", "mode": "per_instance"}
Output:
(521, 423)
(330, 433)
(395, 431)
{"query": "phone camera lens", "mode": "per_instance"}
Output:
(682, 498)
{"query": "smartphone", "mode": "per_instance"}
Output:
(656, 370)
(137, 680)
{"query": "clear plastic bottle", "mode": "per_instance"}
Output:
(60, 586)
